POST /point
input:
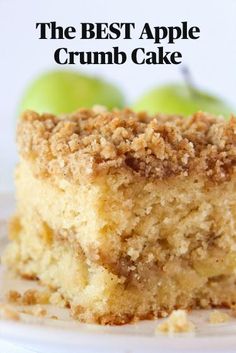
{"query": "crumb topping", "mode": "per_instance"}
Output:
(29, 297)
(90, 142)
(57, 299)
(217, 317)
(177, 322)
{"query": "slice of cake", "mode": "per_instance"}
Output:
(124, 215)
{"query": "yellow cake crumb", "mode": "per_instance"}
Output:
(36, 310)
(34, 296)
(218, 317)
(13, 296)
(54, 317)
(39, 311)
(177, 322)
(8, 313)
(57, 299)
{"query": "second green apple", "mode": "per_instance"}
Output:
(181, 99)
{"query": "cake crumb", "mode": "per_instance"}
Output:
(57, 299)
(8, 313)
(54, 317)
(37, 311)
(217, 317)
(177, 322)
(34, 296)
(13, 296)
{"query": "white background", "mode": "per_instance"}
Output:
(212, 58)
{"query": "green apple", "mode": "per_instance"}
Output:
(181, 99)
(65, 91)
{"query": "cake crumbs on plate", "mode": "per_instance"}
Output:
(34, 296)
(29, 297)
(54, 317)
(13, 296)
(8, 313)
(37, 311)
(57, 299)
(177, 322)
(218, 317)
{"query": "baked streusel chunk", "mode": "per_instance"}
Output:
(127, 216)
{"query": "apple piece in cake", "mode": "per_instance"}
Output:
(127, 216)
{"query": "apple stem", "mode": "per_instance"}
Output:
(188, 80)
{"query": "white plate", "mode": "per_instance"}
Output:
(65, 335)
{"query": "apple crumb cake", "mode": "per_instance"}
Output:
(127, 216)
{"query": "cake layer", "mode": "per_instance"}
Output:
(96, 295)
(118, 220)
